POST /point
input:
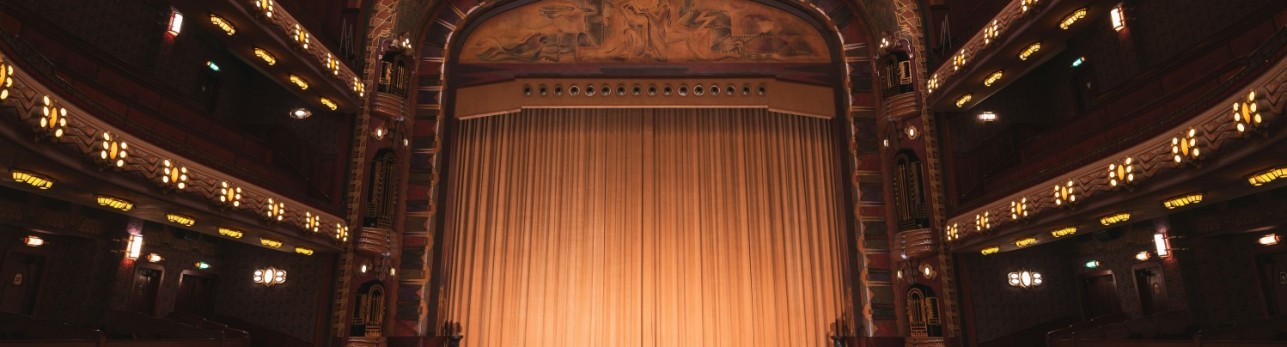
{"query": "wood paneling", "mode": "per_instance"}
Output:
(646, 227)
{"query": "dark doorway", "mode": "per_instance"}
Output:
(21, 274)
(1150, 285)
(1273, 280)
(1099, 294)
(196, 293)
(144, 288)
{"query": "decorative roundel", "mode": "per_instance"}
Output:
(543, 90)
(762, 90)
(621, 90)
(730, 90)
(666, 90)
(527, 90)
(606, 90)
(574, 90)
(558, 90)
(683, 90)
(698, 90)
(746, 89)
(714, 89)
(652, 90)
(589, 90)
(636, 90)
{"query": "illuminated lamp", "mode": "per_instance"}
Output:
(134, 246)
(911, 132)
(6, 79)
(341, 232)
(991, 32)
(154, 258)
(993, 78)
(266, 6)
(1092, 264)
(1072, 18)
(174, 175)
(1028, 52)
(1019, 209)
(202, 265)
(115, 202)
(229, 195)
(932, 84)
(964, 99)
(1077, 62)
(329, 104)
(33, 241)
(312, 221)
(990, 250)
(1024, 279)
(987, 117)
(233, 233)
(1028, 4)
(1122, 173)
(1267, 177)
(982, 221)
(1115, 218)
(1061, 232)
(1183, 200)
(114, 151)
(953, 232)
(268, 58)
(1185, 146)
(213, 67)
(304, 251)
(1269, 239)
(1065, 193)
(1117, 18)
(358, 87)
(1143, 256)
(32, 179)
(301, 36)
(53, 118)
(958, 61)
(1025, 242)
(270, 276)
(223, 24)
(176, 23)
(179, 219)
(270, 243)
(274, 210)
(301, 113)
(299, 82)
(1162, 244)
(1247, 114)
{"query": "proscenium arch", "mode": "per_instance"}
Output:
(843, 26)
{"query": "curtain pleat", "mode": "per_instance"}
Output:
(645, 227)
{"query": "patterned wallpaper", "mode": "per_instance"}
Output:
(78, 275)
(292, 307)
(1000, 309)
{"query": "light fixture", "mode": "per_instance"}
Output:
(379, 133)
(993, 78)
(301, 113)
(32, 179)
(1092, 264)
(329, 104)
(274, 210)
(176, 23)
(927, 270)
(299, 82)
(911, 132)
(213, 67)
(990, 250)
(1068, 21)
(958, 61)
(1028, 4)
(1115, 218)
(1019, 209)
(964, 99)
(233, 233)
(1143, 256)
(332, 64)
(1116, 17)
(301, 36)
(202, 265)
(1077, 62)
(179, 219)
(172, 175)
(1065, 231)
(987, 117)
(113, 151)
(229, 195)
(270, 276)
(393, 271)
(268, 58)
(1122, 173)
(115, 202)
(312, 221)
(1185, 146)
(53, 118)
(266, 6)
(341, 232)
(134, 246)
(1065, 193)
(1246, 114)
(270, 243)
(358, 87)
(932, 84)
(1267, 177)
(154, 258)
(223, 24)
(1024, 279)
(304, 251)
(1028, 52)
(1269, 239)
(1183, 200)
(6, 79)
(362, 269)
(991, 32)
(1162, 244)
(953, 232)
(982, 222)
(1025, 242)
(33, 241)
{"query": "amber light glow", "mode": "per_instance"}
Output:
(993, 78)
(32, 179)
(179, 219)
(1268, 239)
(1026, 242)
(33, 241)
(299, 82)
(270, 276)
(1183, 200)
(223, 24)
(1061, 232)
(268, 58)
(1115, 218)
(329, 104)
(964, 99)
(115, 202)
(270, 243)
(1028, 52)
(1072, 18)
(233, 233)
(134, 247)
(990, 250)
(1267, 177)
(304, 251)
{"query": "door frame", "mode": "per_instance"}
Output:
(1135, 282)
(1082, 290)
(196, 273)
(160, 284)
(19, 248)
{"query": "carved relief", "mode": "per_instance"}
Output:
(908, 193)
(644, 31)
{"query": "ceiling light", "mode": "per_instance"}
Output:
(299, 82)
(1025, 242)
(304, 251)
(964, 99)
(1061, 232)
(1068, 21)
(990, 250)
(301, 113)
(32, 179)
(33, 241)
(223, 24)
(987, 117)
(1115, 218)
(1024, 279)
(993, 78)
(233, 233)
(270, 243)
(1183, 200)
(1028, 52)
(268, 58)
(115, 202)
(180, 219)
(1262, 178)
(1269, 239)
(329, 104)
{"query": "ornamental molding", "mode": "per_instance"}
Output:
(292, 31)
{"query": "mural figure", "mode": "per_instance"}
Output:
(644, 31)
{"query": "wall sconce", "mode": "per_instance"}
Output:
(911, 132)
(229, 195)
(1246, 114)
(233, 233)
(223, 24)
(1092, 264)
(213, 67)
(201, 265)
(266, 6)
(358, 87)
(332, 64)
(982, 222)
(987, 117)
(1019, 209)
(1256, 180)
(114, 151)
(991, 32)
(1072, 18)
(1143, 256)
(154, 258)
(379, 133)
(268, 58)
(341, 233)
(270, 276)
(114, 202)
(1162, 244)
(1028, 4)
(1268, 240)
(179, 219)
(134, 246)
(953, 232)
(1118, 20)
(1077, 62)
(174, 175)
(301, 36)
(312, 221)
(1186, 146)
(1183, 200)
(1065, 193)
(1114, 218)
(32, 179)
(1025, 279)
(1123, 173)
(33, 241)
(990, 250)
(6, 79)
(176, 23)
(274, 210)
(927, 270)
(932, 84)
(53, 117)
(362, 269)
(958, 61)
(1028, 52)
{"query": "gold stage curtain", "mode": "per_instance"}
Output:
(645, 227)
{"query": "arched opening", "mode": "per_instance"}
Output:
(369, 310)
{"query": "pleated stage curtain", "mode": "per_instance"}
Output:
(645, 227)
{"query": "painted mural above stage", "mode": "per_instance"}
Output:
(644, 31)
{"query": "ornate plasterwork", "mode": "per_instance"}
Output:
(291, 29)
(118, 152)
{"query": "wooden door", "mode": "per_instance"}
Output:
(144, 289)
(1099, 294)
(1273, 279)
(20, 274)
(1150, 285)
(196, 294)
